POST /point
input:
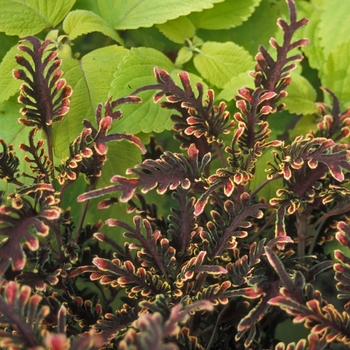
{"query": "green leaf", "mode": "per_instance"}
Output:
(134, 14)
(87, 5)
(334, 28)
(90, 79)
(237, 82)
(29, 17)
(7, 42)
(9, 86)
(313, 51)
(183, 56)
(13, 132)
(288, 332)
(121, 156)
(80, 22)
(279, 123)
(304, 125)
(219, 62)
(333, 245)
(301, 96)
(178, 30)
(336, 73)
(134, 71)
(150, 37)
(246, 35)
(9, 114)
(260, 176)
(225, 15)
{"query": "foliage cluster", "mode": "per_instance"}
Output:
(209, 224)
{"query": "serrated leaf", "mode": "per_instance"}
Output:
(301, 96)
(80, 22)
(135, 71)
(90, 79)
(237, 82)
(178, 30)
(219, 62)
(29, 17)
(9, 86)
(134, 14)
(246, 35)
(313, 51)
(336, 73)
(228, 14)
(334, 28)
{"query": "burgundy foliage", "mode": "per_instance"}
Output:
(223, 267)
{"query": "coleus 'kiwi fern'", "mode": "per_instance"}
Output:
(223, 268)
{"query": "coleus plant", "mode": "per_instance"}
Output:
(225, 265)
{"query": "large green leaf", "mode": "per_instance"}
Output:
(259, 27)
(121, 156)
(219, 62)
(87, 5)
(336, 73)
(303, 126)
(334, 28)
(29, 17)
(314, 50)
(178, 30)
(228, 14)
(258, 30)
(135, 71)
(260, 176)
(230, 89)
(14, 133)
(134, 14)
(333, 245)
(7, 42)
(150, 37)
(80, 22)
(9, 86)
(90, 79)
(301, 96)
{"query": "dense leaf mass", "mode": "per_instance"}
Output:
(229, 231)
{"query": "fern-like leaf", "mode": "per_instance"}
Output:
(8, 163)
(88, 151)
(154, 329)
(23, 221)
(44, 92)
(167, 173)
(23, 312)
(342, 268)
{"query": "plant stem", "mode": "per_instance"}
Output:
(50, 151)
(91, 187)
(216, 326)
(81, 220)
(219, 153)
(264, 183)
(301, 230)
(58, 237)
